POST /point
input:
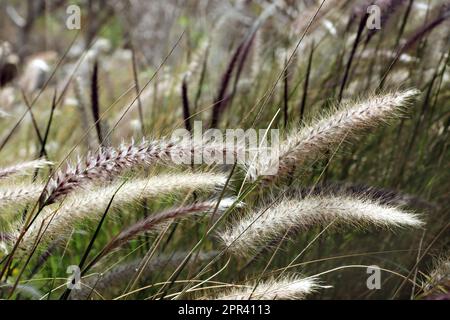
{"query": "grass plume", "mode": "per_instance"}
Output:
(90, 204)
(351, 120)
(288, 288)
(253, 232)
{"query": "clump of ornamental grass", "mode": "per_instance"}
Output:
(269, 223)
(57, 220)
(328, 132)
(287, 288)
(260, 75)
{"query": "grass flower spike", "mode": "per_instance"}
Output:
(258, 229)
(286, 289)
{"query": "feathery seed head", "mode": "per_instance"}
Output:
(311, 141)
(90, 204)
(259, 228)
(109, 163)
(288, 288)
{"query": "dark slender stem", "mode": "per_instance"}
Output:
(305, 87)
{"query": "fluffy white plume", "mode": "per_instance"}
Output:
(328, 132)
(287, 288)
(265, 225)
(90, 204)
